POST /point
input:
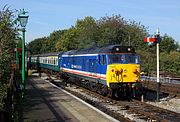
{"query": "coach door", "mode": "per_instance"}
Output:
(102, 66)
(93, 67)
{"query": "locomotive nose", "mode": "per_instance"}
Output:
(122, 73)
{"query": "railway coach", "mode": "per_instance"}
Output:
(49, 61)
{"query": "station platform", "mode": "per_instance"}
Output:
(46, 103)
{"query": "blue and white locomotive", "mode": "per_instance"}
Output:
(112, 70)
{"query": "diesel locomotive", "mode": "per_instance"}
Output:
(111, 70)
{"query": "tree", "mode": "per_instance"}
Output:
(36, 46)
(111, 30)
(134, 34)
(170, 62)
(116, 30)
(168, 44)
(52, 40)
(147, 60)
(68, 41)
(87, 32)
(46, 44)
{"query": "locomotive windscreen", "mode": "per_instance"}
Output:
(123, 58)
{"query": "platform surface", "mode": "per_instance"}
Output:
(46, 103)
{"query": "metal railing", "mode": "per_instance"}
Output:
(162, 79)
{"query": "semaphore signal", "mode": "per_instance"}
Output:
(156, 40)
(148, 39)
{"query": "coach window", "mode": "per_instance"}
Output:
(45, 60)
(103, 59)
(50, 60)
(40, 60)
(54, 61)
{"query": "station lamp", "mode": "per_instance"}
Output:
(23, 18)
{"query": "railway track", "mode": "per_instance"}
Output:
(122, 110)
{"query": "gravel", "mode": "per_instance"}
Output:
(172, 104)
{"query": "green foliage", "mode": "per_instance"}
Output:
(7, 43)
(52, 40)
(3, 88)
(46, 44)
(135, 34)
(111, 30)
(148, 59)
(68, 41)
(87, 32)
(36, 46)
(81, 36)
(170, 62)
(168, 44)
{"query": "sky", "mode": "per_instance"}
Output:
(46, 16)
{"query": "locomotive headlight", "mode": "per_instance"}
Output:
(129, 49)
(117, 49)
(125, 71)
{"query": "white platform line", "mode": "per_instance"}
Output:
(99, 111)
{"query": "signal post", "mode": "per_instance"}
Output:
(156, 40)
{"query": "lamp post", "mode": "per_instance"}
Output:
(23, 18)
